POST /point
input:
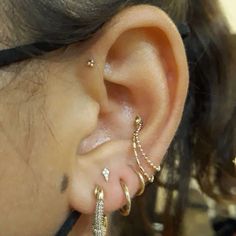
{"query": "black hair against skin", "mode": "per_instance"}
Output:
(205, 140)
(23, 52)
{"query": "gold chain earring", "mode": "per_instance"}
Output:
(137, 146)
(100, 220)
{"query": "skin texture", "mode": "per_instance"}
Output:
(62, 122)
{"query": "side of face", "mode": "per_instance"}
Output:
(63, 122)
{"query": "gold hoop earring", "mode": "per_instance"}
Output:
(100, 220)
(125, 210)
(142, 183)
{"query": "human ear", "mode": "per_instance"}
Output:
(140, 68)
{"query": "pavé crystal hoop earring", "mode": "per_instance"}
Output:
(138, 147)
(100, 220)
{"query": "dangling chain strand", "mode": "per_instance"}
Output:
(137, 145)
(139, 125)
(150, 178)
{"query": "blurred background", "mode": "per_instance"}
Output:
(229, 8)
(204, 216)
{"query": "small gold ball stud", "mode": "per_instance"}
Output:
(91, 63)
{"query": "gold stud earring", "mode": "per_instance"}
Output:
(125, 210)
(91, 63)
(100, 220)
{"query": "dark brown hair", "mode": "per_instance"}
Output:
(204, 144)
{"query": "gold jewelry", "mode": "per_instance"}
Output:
(136, 144)
(91, 63)
(149, 178)
(125, 210)
(100, 220)
(139, 125)
(105, 174)
(142, 183)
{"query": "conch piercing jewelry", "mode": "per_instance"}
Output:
(106, 174)
(125, 210)
(100, 220)
(137, 145)
(91, 63)
(142, 183)
(139, 125)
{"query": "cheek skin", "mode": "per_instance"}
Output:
(39, 138)
(31, 180)
(30, 191)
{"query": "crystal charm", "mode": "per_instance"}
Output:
(106, 173)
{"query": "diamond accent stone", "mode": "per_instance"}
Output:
(106, 173)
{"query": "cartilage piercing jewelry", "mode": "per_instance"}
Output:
(150, 178)
(137, 145)
(139, 125)
(100, 220)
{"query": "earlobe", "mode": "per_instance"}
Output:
(141, 69)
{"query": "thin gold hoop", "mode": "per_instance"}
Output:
(142, 183)
(125, 210)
